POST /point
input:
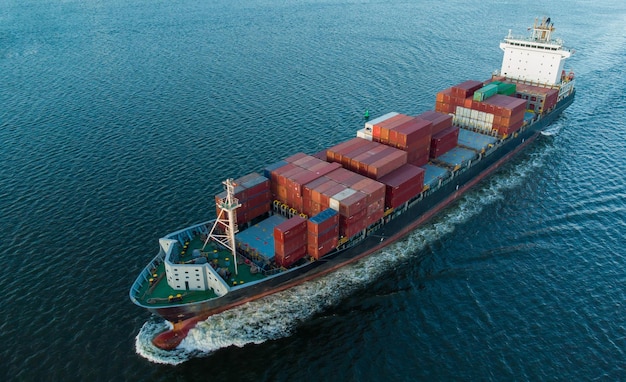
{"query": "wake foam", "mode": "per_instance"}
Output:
(278, 315)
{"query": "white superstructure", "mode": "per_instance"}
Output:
(536, 59)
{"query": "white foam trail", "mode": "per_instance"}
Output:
(276, 316)
(552, 131)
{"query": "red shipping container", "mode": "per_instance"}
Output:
(466, 89)
(321, 155)
(396, 200)
(289, 228)
(326, 195)
(288, 259)
(292, 245)
(551, 99)
(346, 203)
(373, 218)
(316, 239)
(319, 190)
(412, 131)
(311, 208)
(510, 129)
(340, 175)
(444, 141)
(386, 165)
(295, 157)
(349, 227)
(334, 154)
(308, 188)
(440, 121)
(406, 179)
(381, 129)
(320, 250)
(373, 189)
(419, 158)
(444, 96)
(323, 226)
(324, 168)
(375, 205)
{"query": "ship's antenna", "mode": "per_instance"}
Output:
(227, 205)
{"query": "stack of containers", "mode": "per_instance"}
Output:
(253, 192)
(290, 175)
(358, 200)
(402, 185)
(499, 113)
(375, 192)
(449, 99)
(508, 113)
(290, 241)
(539, 99)
(322, 233)
(352, 209)
(368, 131)
(444, 141)
(371, 159)
(440, 121)
(413, 137)
(381, 129)
(444, 135)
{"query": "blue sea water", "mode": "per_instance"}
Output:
(119, 119)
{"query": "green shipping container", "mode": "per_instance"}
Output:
(506, 89)
(485, 92)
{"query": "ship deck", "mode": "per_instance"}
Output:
(158, 293)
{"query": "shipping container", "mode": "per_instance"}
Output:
(287, 259)
(444, 141)
(369, 126)
(440, 121)
(295, 157)
(506, 88)
(373, 189)
(323, 221)
(485, 92)
(408, 179)
(387, 164)
(348, 202)
(410, 132)
(382, 129)
(322, 249)
(466, 89)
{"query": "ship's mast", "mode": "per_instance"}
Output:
(227, 206)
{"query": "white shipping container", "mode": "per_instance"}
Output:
(369, 126)
(365, 134)
(336, 199)
(465, 112)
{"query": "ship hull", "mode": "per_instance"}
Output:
(413, 217)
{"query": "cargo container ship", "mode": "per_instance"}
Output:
(310, 214)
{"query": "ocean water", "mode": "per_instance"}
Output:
(119, 119)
